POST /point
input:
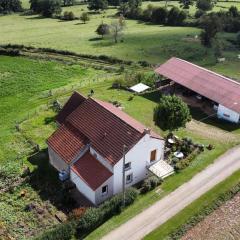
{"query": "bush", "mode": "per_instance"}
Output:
(94, 217)
(199, 13)
(7, 6)
(204, 5)
(9, 52)
(68, 16)
(63, 231)
(150, 183)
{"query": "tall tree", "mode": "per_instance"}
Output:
(211, 25)
(97, 5)
(10, 6)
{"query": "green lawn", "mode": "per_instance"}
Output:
(178, 220)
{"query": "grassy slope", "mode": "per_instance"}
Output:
(20, 80)
(196, 207)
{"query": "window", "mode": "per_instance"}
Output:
(129, 178)
(226, 115)
(153, 155)
(127, 166)
(104, 190)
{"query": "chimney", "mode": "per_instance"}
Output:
(147, 130)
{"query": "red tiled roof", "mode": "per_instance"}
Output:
(67, 142)
(73, 102)
(211, 85)
(126, 118)
(91, 171)
(107, 132)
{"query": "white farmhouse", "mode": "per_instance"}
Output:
(89, 145)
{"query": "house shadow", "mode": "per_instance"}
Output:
(44, 179)
(198, 115)
(153, 96)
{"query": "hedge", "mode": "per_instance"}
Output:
(94, 217)
(63, 231)
(205, 211)
(109, 59)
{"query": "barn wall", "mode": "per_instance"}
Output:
(227, 114)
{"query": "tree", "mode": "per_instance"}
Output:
(233, 12)
(159, 15)
(103, 29)
(147, 13)
(204, 5)
(176, 17)
(114, 2)
(211, 24)
(124, 8)
(68, 16)
(84, 17)
(171, 113)
(47, 8)
(116, 28)
(185, 4)
(7, 6)
(68, 3)
(97, 5)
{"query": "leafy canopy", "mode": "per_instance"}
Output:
(171, 113)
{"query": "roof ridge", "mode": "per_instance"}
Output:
(96, 101)
(208, 70)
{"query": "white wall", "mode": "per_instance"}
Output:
(139, 156)
(82, 187)
(56, 161)
(98, 193)
(223, 111)
(101, 159)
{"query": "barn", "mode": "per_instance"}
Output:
(222, 91)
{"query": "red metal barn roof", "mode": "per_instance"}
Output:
(73, 102)
(91, 171)
(218, 88)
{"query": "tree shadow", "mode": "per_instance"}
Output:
(95, 39)
(44, 179)
(152, 96)
(35, 17)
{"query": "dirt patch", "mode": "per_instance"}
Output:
(222, 224)
(211, 132)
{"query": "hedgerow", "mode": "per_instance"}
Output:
(205, 210)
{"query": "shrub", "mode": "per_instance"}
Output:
(199, 13)
(7, 6)
(9, 52)
(84, 17)
(63, 231)
(68, 16)
(150, 183)
(204, 5)
(94, 217)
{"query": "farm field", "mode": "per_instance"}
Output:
(24, 98)
(223, 223)
(141, 41)
(29, 86)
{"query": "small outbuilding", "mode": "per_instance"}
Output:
(140, 87)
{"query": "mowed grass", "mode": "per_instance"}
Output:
(196, 207)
